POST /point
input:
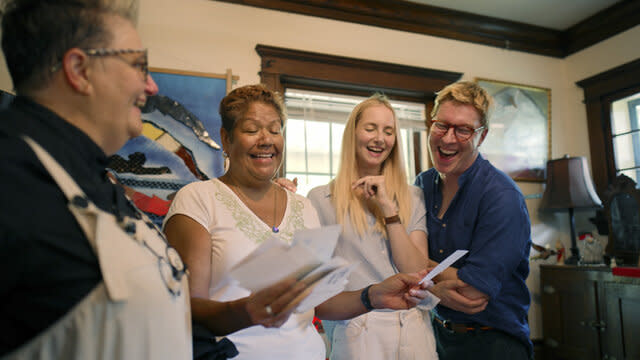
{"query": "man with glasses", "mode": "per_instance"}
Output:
(84, 275)
(471, 205)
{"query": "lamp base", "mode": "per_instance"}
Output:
(572, 260)
(575, 255)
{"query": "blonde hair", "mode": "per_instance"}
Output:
(468, 93)
(393, 170)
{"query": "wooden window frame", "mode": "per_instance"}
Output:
(600, 91)
(282, 68)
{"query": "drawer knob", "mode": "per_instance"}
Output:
(548, 289)
(552, 343)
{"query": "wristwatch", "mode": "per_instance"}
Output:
(364, 298)
(392, 219)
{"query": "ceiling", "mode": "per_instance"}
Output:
(554, 28)
(553, 14)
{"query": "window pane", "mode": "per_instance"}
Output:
(407, 152)
(625, 114)
(295, 146)
(308, 182)
(627, 150)
(317, 140)
(337, 130)
(314, 135)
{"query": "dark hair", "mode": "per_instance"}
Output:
(237, 102)
(37, 33)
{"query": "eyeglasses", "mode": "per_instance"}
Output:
(462, 132)
(141, 65)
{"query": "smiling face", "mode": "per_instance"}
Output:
(120, 87)
(375, 135)
(449, 156)
(255, 147)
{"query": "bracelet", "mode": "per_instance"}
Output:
(364, 297)
(392, 219)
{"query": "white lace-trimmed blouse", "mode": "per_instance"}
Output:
(235, 232)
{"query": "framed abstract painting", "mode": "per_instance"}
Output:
(180, 141)
(519, 138)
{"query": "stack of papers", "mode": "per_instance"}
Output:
(308, 259)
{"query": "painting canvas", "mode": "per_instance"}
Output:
(180, 142)
(519, 138)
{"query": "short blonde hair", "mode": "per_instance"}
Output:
(468, 93)
(393, 170)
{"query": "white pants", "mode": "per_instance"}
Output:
(401, 335)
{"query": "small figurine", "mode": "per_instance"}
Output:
(543, 252)
(590, 249)
(560, 252)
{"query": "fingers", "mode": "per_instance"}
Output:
(417, 293)
(371, 185)
(267, 307)
(448, 291)
(287, 184)
(407, 280)
(287, 301)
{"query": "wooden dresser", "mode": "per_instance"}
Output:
(588, 313)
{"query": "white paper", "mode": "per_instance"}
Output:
(328, 286)
(321, 241)
(444, 264)
(273, 263)
(308, 258)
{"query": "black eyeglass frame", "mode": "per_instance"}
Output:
(460, 137)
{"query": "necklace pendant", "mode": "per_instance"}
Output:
(275, 229)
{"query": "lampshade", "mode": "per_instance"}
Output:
(569, 185)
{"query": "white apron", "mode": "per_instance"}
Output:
(139, 311)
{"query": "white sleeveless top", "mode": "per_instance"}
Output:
(139, 311)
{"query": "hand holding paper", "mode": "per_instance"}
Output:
(308, 259)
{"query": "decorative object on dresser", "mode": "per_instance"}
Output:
(622, 209)
(569, 187)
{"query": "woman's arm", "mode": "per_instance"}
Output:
(409, 251)
(193, 242)
(398, 292)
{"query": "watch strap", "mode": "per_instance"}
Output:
(364, 297)
(392, 219)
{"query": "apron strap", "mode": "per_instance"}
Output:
(78, 201)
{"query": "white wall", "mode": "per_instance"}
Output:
(209, 36)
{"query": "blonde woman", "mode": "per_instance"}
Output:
(384, 229)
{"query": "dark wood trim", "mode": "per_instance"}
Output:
(599, 92)
(463, 26)
(283, 68)
(417, 154)
(603, 25)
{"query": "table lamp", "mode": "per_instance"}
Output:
(569, 187)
